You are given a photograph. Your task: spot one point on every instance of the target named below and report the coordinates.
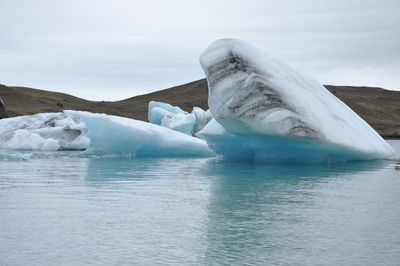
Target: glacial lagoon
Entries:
(62, 208)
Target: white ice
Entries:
(175, 118)
(255, 97)
(123, 135)
(97, 133)
(43, 132)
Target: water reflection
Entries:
(113, 169)
(123, 169)
(261, 213)
(197, 211)
(251, 213)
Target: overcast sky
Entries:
(108, 50)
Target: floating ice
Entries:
(175, 118)
(202, 119)
(43, 132)
(275, 148)
(263, 110)
(123, 135)
(266, 110)
(99, 133)
(158, 110)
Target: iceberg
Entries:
(175, 118)
(265, 110)
(260, 110)
(97, 133)
(43, 132)
(116, 134)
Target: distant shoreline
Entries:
(378, 107)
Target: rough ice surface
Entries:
(266, 110)
(175, 118)
(43, 132)
(158, 110)
(123, 135)
(262, 110)
(97, 133)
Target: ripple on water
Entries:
(79, 210)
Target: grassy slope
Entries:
(379, 107)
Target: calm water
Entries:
(99, 211)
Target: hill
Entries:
(379, 107)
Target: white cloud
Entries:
(115, 49)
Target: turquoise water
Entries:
(111, 211)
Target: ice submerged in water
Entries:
(98, 133)
(275, 148)
(175, 118)
(264, 110)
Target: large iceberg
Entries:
(265, 110)
(97, 133)
(175, 118)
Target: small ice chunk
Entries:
(175, 118)
(158, 110)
